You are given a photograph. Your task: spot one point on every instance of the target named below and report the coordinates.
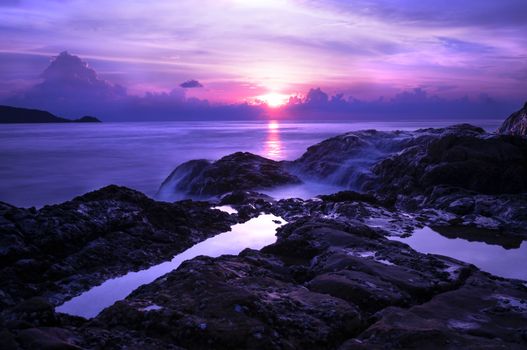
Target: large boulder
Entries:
(462, 156)
(516, 123)
(237, 171)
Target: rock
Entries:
(461, 156)
(461, 206)
(504, 214)
(516, 123)
(47, 338)
(332, 280)
(482, 313)
(323, 284)
(238, 171)
(239, 197)
(64, 249)
(346, 159)
(347, 196)
(480, 178)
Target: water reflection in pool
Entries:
(255, 233)
(510, 263)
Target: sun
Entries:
(274, 99)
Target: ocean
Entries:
(50, 163)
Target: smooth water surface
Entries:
(255, 233)
(51, 163)
(509, 263)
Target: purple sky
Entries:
(378, 54)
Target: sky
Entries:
(244, 58)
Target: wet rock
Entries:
(63, 249)
(249, 301)
(239, 197)
(49, 338)
(332, 279)
(482, 313)
(462, 156)
(478, 177)
(500, 214)
(516, 123)
(461, 206)
(346, 159)
(321, 283)
(238, 171)
(325, 283)
(349, 196)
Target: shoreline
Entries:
(333, 275)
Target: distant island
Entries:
(12, 115)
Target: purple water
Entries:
(255, 234)
(51, 163)
(510, 263)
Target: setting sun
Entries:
(274, 99)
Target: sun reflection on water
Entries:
(273, 143)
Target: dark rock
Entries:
(482, 314)
(346, 159)
(325, 284)
(244, 197)
(462, 206)
(516, 123)
(64, 249)
(331, 280)
(238, 171)
(48, 338)
(321, 283)
(460, 156)
(347, 196)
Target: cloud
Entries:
(189, 84)
(413, 104)
(71, 88)
(464, 13)
(464, 46)
(316, 97)
(309, 43)
(69, 84)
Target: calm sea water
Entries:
(51, 163)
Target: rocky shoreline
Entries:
(334, 278)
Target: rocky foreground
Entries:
(332, 280)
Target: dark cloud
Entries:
(68, 84)
(189, 84)
(316, 97)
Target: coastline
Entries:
(333, 275)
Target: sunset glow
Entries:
(360, 57)
(273, 143)
(273, 99)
